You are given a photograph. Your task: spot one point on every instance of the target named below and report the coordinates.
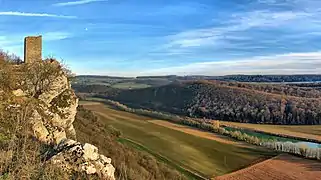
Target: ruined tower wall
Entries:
(33, 49)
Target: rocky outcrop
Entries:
(52, 124)
(72, 155)
(56, 112)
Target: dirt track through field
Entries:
(282, 167)
(198, 133)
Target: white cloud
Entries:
(13, 13)
(47, 36)
(80, 2)
(291, 63)
(277, 2)
(263, 18)
(311, 4)
(228, 30)
(105, 72)
(52, 36)
(194, 38)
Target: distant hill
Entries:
(122, 82)
(229, 101)
(273, 78)
(240, 78)
(103, 77)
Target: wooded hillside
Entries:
(238, 102)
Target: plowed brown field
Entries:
(282, 167)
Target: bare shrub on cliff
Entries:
(8, 79)
(2, 57)
(38, 77)
(10, 58)
(20, 153)
(63, 66)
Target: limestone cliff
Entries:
(52, 119)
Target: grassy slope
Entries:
(207, 157)
(301, 131)
(130, 163)
(188, 173)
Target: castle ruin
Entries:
(32, 49)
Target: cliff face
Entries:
(53, 116)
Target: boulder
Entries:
(90, 152)
(72, 155)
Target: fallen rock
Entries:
(90, 152)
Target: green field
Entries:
(203, 156)
(129, 85)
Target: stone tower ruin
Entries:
(32, 49)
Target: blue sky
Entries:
(159, 37)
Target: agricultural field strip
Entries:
(168, 161)
(199, 133)
(281, 167)
(246, 158)
(194, 172)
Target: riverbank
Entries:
(307, 133)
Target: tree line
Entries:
(299, 90)
(273, 78)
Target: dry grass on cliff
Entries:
(20, 153)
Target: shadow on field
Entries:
(308, 164)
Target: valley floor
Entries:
(199, 133)
(205, 154)
(312, 132)
(282, 167)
